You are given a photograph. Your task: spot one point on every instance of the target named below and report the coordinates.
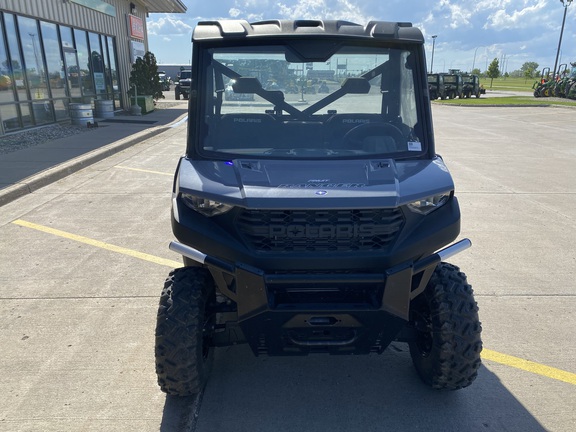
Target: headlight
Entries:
(429, 204)
(206, 207)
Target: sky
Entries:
(470, 34)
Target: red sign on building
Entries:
(136, 27)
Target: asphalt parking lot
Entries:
(83, 261)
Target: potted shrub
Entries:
(145, 85)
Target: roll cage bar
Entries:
(351, 85)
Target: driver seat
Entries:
(339, 124)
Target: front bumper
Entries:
(296, 314)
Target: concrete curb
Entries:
(58, 172)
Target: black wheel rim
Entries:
(207, 332)
(424, 332)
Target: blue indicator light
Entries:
(229, 163)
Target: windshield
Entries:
(274, 101)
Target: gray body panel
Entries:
(321, 184)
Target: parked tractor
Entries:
(567, 85)
(561, 80)
(542, 86)
(562, 85)
(570, 86)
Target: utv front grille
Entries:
(319, 230)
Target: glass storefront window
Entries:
(106, 57)
(113, 71)
(32, 50)
(10, 117)
(42, 112)
(26, 117)
(60, 110)
(6, 77)
(44, 66)
(15, 57)
(97, 64)
(53, 59)
(70, 62)
(84, 62)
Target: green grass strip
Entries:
(506, 101)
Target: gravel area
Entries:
(32, 137)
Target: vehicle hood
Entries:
(297, 184)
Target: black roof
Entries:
(238, 29)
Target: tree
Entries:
(528, 69)
(476, 71)
(144, 76)
(493, 70)
(529, 66)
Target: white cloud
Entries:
(530, 15)
(457, 15)
(168, 26)
(323, 9)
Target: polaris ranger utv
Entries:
(436, 87)
(183, 85)
(314, 223)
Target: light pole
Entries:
(565, 4)
(474, 61)
(433, 44)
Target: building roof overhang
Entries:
(164, 6)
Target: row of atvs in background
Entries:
(563, 85)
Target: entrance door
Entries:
(72, 72)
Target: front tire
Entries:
(184, 328)
(447, 346)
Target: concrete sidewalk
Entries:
(26, 170)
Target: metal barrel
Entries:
(104, 108)
(81, 114)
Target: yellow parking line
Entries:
(144, 170)
(529, 366)
(100, 244)
(505, 359)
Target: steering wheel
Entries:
(358, 134)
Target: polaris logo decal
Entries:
(323, 186)
(247, 120)
(324, 231)
(355, 121)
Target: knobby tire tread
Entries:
(182, 364)
(454, 358)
